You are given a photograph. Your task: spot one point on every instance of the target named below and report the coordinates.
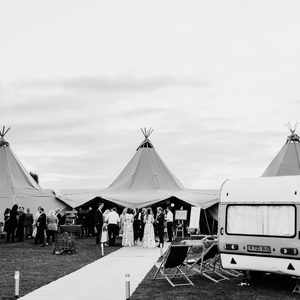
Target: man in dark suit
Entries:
(98, 223)
(142, 224)
(21, 224)
(160, 225)
(41, 226)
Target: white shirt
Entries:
(169, 217)
(113, 218)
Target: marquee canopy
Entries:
(144, 181)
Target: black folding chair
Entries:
(173, 260)
(206, 264)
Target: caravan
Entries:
(259, 224)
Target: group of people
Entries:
(19, 225)
(136, 226)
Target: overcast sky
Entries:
(217, 80)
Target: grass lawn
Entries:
(38, 266)
(271, 287)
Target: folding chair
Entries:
(173, 259)
(206, 264)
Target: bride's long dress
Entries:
(127, 238)
(149, 238)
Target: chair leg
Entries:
(157, 271)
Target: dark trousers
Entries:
(141, 232)
(170, 231)
(161, 233)
(20, 233)
(40, 236)
(112, 230)
(51, 234)
(11, 231)
(98, 234)
(28, 231)
(137, 230)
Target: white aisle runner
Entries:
(103, 279)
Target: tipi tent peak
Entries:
(287, 161)
(146, 142)
(293, 137)
(3, 132)
(17, 186)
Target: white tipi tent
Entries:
(17, 186)
(144, 181)
(287, 161)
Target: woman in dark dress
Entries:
(12, 224)
(41, 226)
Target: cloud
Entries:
(79, 136)
(125, 84)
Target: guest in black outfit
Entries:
(28, 223)
(41, 226)
(6, 218)
(160, 226)
(142, 227)
(21, 224)
(98, 223)
(136, 225)
(12, 224)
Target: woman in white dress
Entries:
(104, 236)
(149, 238)
(127, 238)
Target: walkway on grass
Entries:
(102, 279)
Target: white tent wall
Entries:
(48, 201)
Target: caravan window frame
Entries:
(261, 235)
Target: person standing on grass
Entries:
(52, 226)
(6, 219)
(21, 224)
(160, 225)
(136, 226)
(98, 223)
(142, 217)
(28, 223)
(127, 238)
(104, 237)
(12, 224)
(113, 220)
(149, 237)
(170, 220)
(41, 227)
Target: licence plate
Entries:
(259, 248)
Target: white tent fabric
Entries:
(18, 187)
(287, 161)
(141, 198)
(144, 181)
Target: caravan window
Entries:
(265, 220)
